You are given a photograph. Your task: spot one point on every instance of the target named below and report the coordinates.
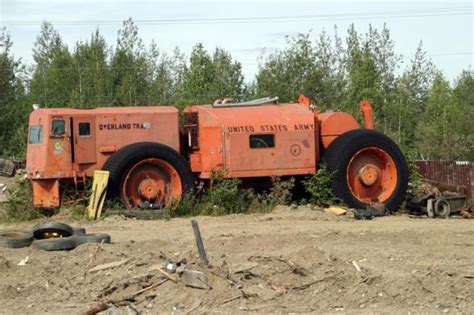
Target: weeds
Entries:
(280, 192)
(319, 188)
(19, 206)
(224, 196)
(415, 180)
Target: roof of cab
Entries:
(106, 110)
(252, 115)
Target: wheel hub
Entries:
(148, 189)
(368, 175)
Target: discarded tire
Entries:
(442, 208)
(92, 238)
(78, 231)
(49, 230)
(15, 238)
(54, 244)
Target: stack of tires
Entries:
(50, 236)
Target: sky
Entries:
(248, 28)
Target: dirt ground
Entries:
(291, 260)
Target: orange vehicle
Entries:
(152, 160)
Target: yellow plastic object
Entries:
(336, 210)
(97, 198)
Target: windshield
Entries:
(36, 134)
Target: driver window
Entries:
(58, 127)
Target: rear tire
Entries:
(147, 175)
(367, 167)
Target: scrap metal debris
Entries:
(199, 243)
(7, 168)
(195, 279)
(433, 202)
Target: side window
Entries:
(58, 127)
(262, 141)
(36, 134)
(84, 129)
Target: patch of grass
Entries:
(319, 188)
(19, 206)
(78, 212)
(280, 192)
(224, 196)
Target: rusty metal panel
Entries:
(84, 140)
(46, 193)
(110, 129)
(253, 141)
(452, 175)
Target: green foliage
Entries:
(426, 115)
(319, 188)
(303, 67)
(75, 212)
(280, 192)
(54, 77)
(224, 196)
(19, 206)
(12, 97)
(210, 77)
(415, 179)
(93, 73)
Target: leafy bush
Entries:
(280, 192)
(187, 205)
(415, 180)
(224, 196)
(19, 206)
(319, 188)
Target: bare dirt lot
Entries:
(298, 260)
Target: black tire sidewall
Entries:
(342, 149)
(24, 240)
(92, 238)
(56, 244)
(120, 163)
(57, 227)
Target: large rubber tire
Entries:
(15, 238)
(78, 231)
(340, 153)
(92, 238)
(123, 160)
(54, 244)
(48, 230)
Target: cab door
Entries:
(84, 140)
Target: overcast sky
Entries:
(445, 27)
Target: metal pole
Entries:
(199, 243)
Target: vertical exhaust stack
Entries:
(366, 111)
